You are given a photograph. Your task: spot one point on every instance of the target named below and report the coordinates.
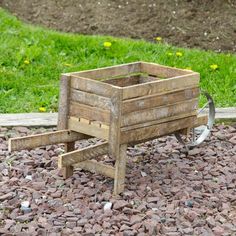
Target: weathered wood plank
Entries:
(201, 120)
(150, 132)
(88, 128)
(162, 71)
(83, 154)
(120, 169)
(68, 170)
(156, 113)
(115, 122)
(89, 112)
(96, 167)
(29, 119)
(124, 81)
(160, 86)
(90, 99)
(33, 141)
(64, 98)
(156, 100)
(110, 71)
(91, 86)
(159, 121)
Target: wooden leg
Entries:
(120, 167)
(68, 171)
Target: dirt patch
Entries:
(166, 193)
(186, 23)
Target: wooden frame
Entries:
(122, 104)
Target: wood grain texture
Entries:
(89, 112)
(201, 120)
(150, 132)
(124, 81)
(161, 86)
(120, 169)
(115, 122)
(159, 121)
(156, 100)
(110, 71)
(64, 98)
(157, 113)
(91, 129)
(38, 140)
(68, 170)
(83, 154)
(90, 99)
(162, 71)
(96, 167)
(91, 86)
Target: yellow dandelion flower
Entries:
(107, 44)
(26, 62)
(179, 54)
(158, 39)
(214, 67)
(42, 109)
(169, 54)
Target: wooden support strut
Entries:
(38, 140)
(84, 154)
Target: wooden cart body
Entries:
(122, 104)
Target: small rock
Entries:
(6, 196)
(210, 221)
(24, 218)
(233, 140)
(25, 204)
(188, 231)
(144, 174)
(29, 177)
(22, 129)
(82, 222)
(107, 206)
(218, 231)
(135, 219)
(194, 151)
(189, 203)
(120, 204)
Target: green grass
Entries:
(26, 87)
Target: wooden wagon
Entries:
(124, 104)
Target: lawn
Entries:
(32, 59)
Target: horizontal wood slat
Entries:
(96, 167)
(162, 71)
(150, 132)
(91, 86)
(91, 129)
(156, 113)
(201, 120)
(38, 140)
(83, 154)
(160, 86)
(159, 121)
(89, 112)
(110, 71)
(90, 99)
(151, 101)
(124, 81)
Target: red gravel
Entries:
(167, 192)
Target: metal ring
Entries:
(206, 131)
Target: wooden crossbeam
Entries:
(84, 154)
(96, 167)
(38, 140)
